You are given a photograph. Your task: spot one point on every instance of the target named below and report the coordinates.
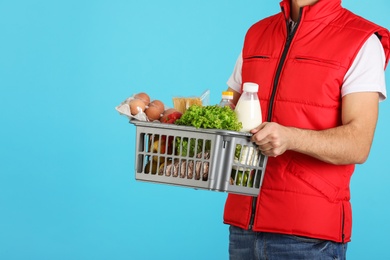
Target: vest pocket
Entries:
(264, 58)
(317, 61)
(314, 180)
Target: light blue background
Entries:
(67, 188)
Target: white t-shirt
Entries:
(366, 74)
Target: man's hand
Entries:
(272, 138)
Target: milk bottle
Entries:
(248, 108)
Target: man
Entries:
(320, 69)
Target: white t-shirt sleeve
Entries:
(365, 75)
(235, 80)
(367, 72)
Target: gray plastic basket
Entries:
(210, 159)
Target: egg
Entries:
(143, 96)
(153, 113)
(136, 106)
(158, 104)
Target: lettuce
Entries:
(212, 117)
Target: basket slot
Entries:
(247, 155)
(258, 178)
(242, 177)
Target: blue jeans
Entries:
(250, 245)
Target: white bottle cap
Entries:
(251, 87)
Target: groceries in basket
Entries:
(193, 144)
(183, 103)
(141, 107)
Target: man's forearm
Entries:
(345, 144)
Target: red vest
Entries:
(300, 82)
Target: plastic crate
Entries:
(213, 159)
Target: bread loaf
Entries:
(181, 104)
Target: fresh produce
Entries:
(151, 167)
(212, 117)
(189, 146)
(170, 111)
(170, 116)
(161, 144)
(242, 177)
